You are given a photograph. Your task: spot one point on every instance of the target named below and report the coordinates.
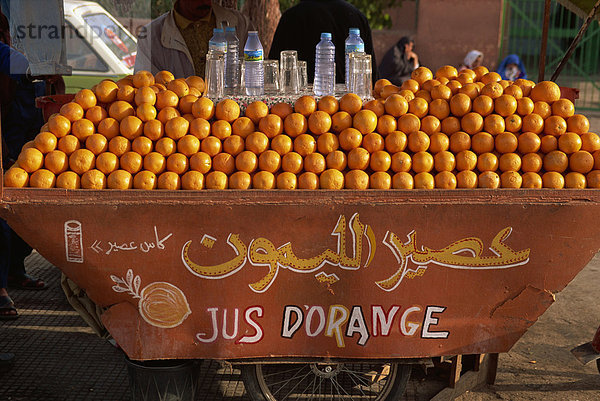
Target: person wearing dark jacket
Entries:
(300, 29)
(399, 62)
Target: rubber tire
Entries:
(250, 378)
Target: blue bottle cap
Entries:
(217, 30)
(326, 35)
(355, 31)
(230, 29)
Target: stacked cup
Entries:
(214, 74)
(360, 70)
(289, 72)
(271, 68)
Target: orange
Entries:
(380, 161)
(581, 162)
(511, 179)
(365, 121)
(505, 105)
(315, 163)
(480, 71)
(358, 159)
(145, 95)
(386, 124)
(471, 123)
(220, 129)
(482, 142)
(466, 179)
(143, 145)
(256, 142)
(396, 105)
(577, 123)
(356, 179)
(494, 124)
(563, 108)
(444, 161)
(119, 145)
(126, 93)
(418, 141)
(422, 162)
(68, 180)
(490, 77)
(376, 106)
(466, 160)
(443, 80)
(96, 143)
(529, 142)
(145, 180)
(506, 142)
(450, 125)
(423, 94)
(292, 162)
(96, 114)
(514, 91)
(543, 109)
(143, 78)
(409, 123)
(549, 143)
(440, 92)
(396, 142)
(222, 162)
(430, 125)
(200, 162)
(488, 179)
(552, 179)
(80, 161)
(192, 180)
(328, 104)
(350, 103)
(593, 179)
(170, 180)
(569, 143)
(525, 85)
(68, 144)
(56, 162)
(454, 86)
(287, 180)
(196, 82)
(168, 113)
(255, 111)
(85, 98)
(295, 124)
(269, 160)
(120, 179)
(283, 144)
(471, 90)
(531, 180)
(306, 105)
(379, 85)
(336, 160)
(401, 162)
(350, 138)
(460, 141)
(177, 163)
(424, 180)
(419, 107)
(177, 127)
(168, 98)
(380, 180)
(438, 142)
(533, 123)
(155, 162)
(203, 108)
(513, 123)
(187, 145)
(146, 112)
(556, 161)
(166, 146)
(331, 179)
(510, 162)
(131, 161)
(487, 162)
(373, 142)
(263, 180)
(545, 91)
(109, 127)
(243, 126)
(59, 125)
(282, 110)
(439, 108)
(45, 142)
(493, 90)
(575, 180)
(429, 85)
(240, 180)
(326, 143)
(445, 180)
(200, 128)
(555, 125)
(446, 71)
(106, 91)
(131, 127)
(525, 106)
(186, 104)
(93, 179)
(389, 90)
(233, 145)
(460, 104)
(421, 75)
(157, 88)
(42, 178)
(505, 84)
(403, 180)
(179, 87)
(408, 95)
(272, 125)
(590, 142)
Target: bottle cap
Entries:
(355, 31)
(252, 32)
(230, 29)
(220, 30)
(326, 35)
(216, 30)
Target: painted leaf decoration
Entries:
(129, 277)
(136, 284)
(115, 279)
(116, 288)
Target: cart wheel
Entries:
(326, 381)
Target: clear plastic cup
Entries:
(271, 70)
(289, 72)
(215, 74)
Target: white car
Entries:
(98, 46)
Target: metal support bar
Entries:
(542, 66)
(575, 42)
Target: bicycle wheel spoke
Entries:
(290, 379)
(356, 385)
(293, 388)
(281, 372)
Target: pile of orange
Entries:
(448, 130)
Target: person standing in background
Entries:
(300, 29)
(399, 62)
(512, 68)
(473, 59)
(177, 41)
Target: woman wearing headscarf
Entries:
(399, 62)
(512, 68)
(473, 59)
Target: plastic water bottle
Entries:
(325, 66)
(218, 41)
(232, 59)
(354, 43)
(253, 65)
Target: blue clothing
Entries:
(512, 59)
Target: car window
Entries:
(80, 55)
(117, 39)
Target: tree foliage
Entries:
(374, 10)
